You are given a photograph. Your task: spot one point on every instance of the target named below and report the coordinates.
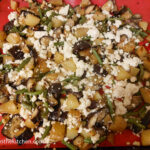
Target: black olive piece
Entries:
(135, 128)
(105, 73)
(121, 11)
(8, 26)
(98, 125)
(54, 116)
(63, 116)
(11, 84)
(80, 46)
(146, 119)
(93, 105)
(55, 89)
(33, 52)
(38, 28)
(26, 135)
(16, 52)
(1, 60)
(37, 119)
(97, 68)
(84, 75)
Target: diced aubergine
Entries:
(13, 129)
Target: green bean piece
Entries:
(41, 75)
(21, 91)
(46, 132)
(69, 145)
(97, 57)
(49, 27)
(136, 122)
(22, 65)
(59, 43)
(82, 20)
(34, 93)
(88, 140)
(110, 106)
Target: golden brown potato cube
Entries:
(56, 23)
(129, 47)
(88, 134)
(108, 6)
(30, 64)
(145, 92)
(134, 71)
(7, 59)
(57, 132)
(29, 123)
(127, 15)
(143, 25)
(51, 76)
(81, 32)
(145, 137)
(85, 3)
(146, 64)
(13, 38)
(146, 75)
(31, 20)
(118, 125)
(141, 51)
(56, 2)
(42, 66)
(122, 74)
(93, 59)
(72, 102)
(99, 16)
(78, 141)
(71, 133)
(69, 65)
(13, 5)
(2, 36)
(58, 57)
(9, 107)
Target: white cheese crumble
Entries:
(64, 10)
(12, 16)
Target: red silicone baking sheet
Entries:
(121, 139)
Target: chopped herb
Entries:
(136, 122)
(41, 75)
(72, 79)
(46, 132)
(59, 44)
(22, 65)
(1, 123)
(110, 106)
(49, 27)
(21, 91)
(98, 57)
(71, 12)
(25, 91)
(88, 140)
(82, 20)
(6, 68)
(86, 38)
(139, 32)
(17, 30)
(69, 145)
(40, 12)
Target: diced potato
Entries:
(122, 74)
(99, 16)
(57, 132)
(51, 76)
(72, 102)
(69, 65)
(86, 146)
(145, 92)
(71, 133)
(56, 2)
(58, 57)
(31, 20)
(13, 5)
(9, 107)
(146, 75)
(146, 64)
(2, 36)
(42, 66)
(127, 15)
(108, 6)
(89, 9)
(85, 3)
(145, 137)
(97, 96)
(118, 125)
(143, 25)
(56, 23)
(29, 123)
(134, 71)
(7, 59)
(78, 141)
(129, 47)
(88, 134)
(93, 59)
(141, 51)
(13, 38)
(30, 64)
(81, 32)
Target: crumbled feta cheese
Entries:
(12, 16)
(64, 10)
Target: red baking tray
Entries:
(121, 139)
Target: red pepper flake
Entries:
(120, 99)
(108, 87)
(101, 91)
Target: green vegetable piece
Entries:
(59, 44)
(88, 140)
(46, 132)
(98, 57)
(27, 105)
(69, 145)
(136, 122)
(110, 106)
(1, 123)
(22, 65)
(82, 20)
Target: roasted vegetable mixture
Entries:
(74, 75)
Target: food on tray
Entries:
(74, 75)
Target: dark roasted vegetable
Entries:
(12, 128)
(146, 120)
(8, 26)
(16, 52)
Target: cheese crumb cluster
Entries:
(74, 75)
